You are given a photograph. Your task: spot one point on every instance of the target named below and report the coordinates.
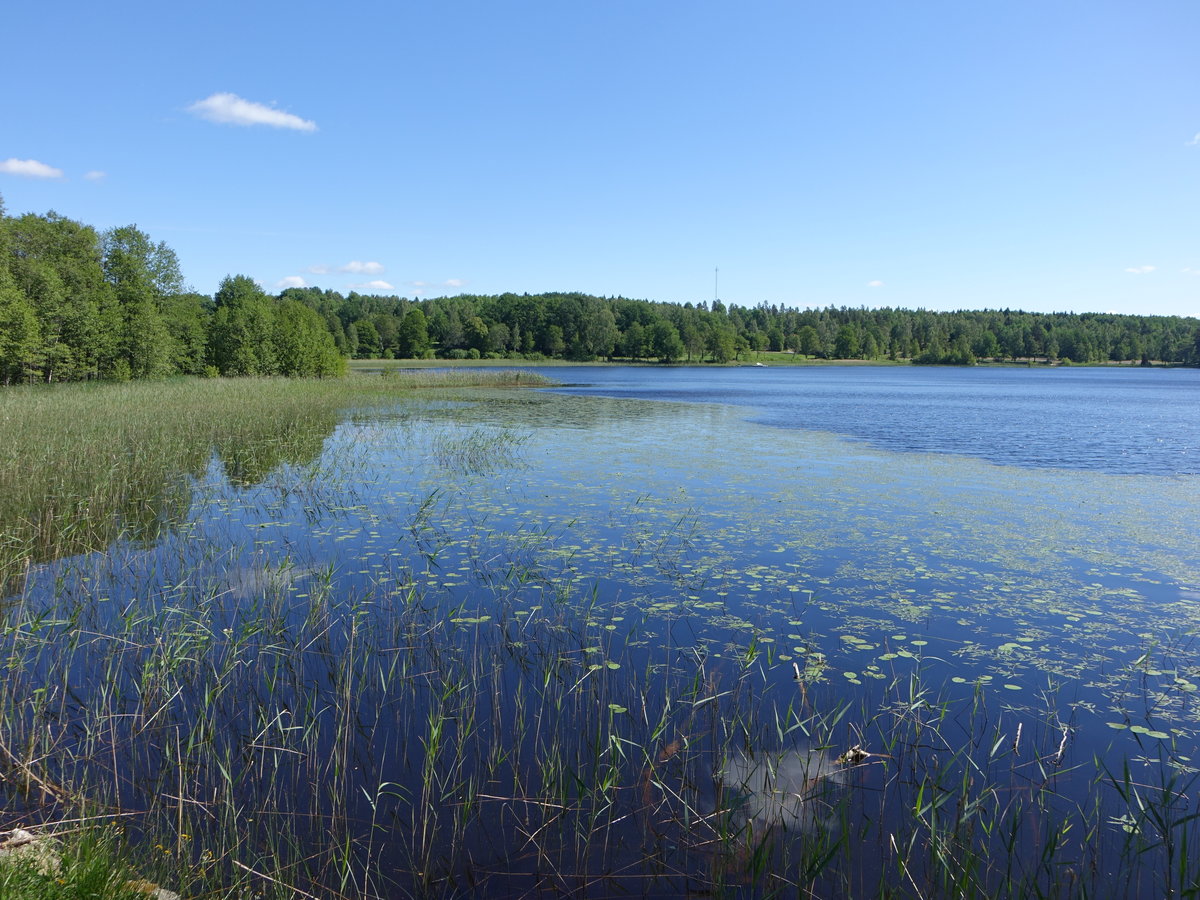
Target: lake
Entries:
(817, 631)
(1110, 420)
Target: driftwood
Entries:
(10, 760)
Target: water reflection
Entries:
(1120, 421)
(479, 641)
(781, 789)
(141, 500)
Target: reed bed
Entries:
(84, 465)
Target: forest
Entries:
(77, 303)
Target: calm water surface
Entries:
(1124, 421)
(621, 582)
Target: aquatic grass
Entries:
(68, 863)
(424, 379)
(590, 770)
(84, 465)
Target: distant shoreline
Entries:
(768, 360)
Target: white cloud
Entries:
(95, 175)
(875, 283)
(454, 282)
(290, 281)
(319, 269)
(1190, 271)
(30, 168)
(230, 109)
(1141, 270)
(373, 286)
(1195, 142)
(362, 268)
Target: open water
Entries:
(1117, 420)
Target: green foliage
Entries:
(721, 343)
(20, 338)
(847, 346)
(808, 341)
(142, 274)
(77, 305)
(55, 263)
(412, 339)
(369, 344)
(241, 338)
(303, 346)
(186, 317)
(665, 342)
(83, 867)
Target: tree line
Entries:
(77, 303)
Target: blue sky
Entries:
(1042, 155)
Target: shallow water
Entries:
(603, 576)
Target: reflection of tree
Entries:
(141, 484)
(249, 458)
(582, 410)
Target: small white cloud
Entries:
(418, 284)
(376, 285)
(290, 282)
(319, 269)
(230, 109)
(1141, 270)
(95, 175)
(1195, 142)
(454, 282)
(29, 168)
(362, 268)
(1190, 271)
(875, 283)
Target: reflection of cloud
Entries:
(362, 268)
(29, 168)
(230, 109)
(875, 283)
(292, 281)
(373, 286)
(1141, 270)
(779, 790)
(254, 583)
